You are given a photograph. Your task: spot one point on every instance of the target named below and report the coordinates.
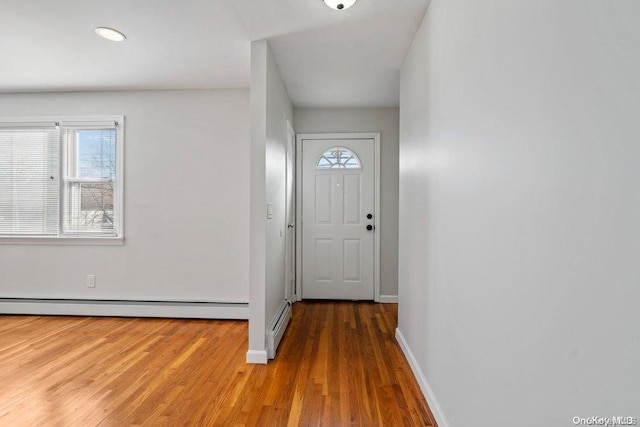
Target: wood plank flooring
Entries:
(338, 364)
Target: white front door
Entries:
(338, 224)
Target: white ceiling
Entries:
(327, 58)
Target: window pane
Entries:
(339, 158)
(89, 207)
(96, 153)
(91, 156)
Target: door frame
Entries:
(290, 294)
(375, 136)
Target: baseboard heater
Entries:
(125, 308)
(276, 329)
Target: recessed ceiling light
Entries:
(110, 34)
(339, 4)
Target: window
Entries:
(61, 179)
(339, 158)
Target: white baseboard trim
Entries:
(388, 299)
(170, 309)
(435, 407)
(257, 356)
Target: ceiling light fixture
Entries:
(339, 4)
(110, 34)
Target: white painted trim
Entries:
(377, 235)
(375, 136)
(169, 309)
(299, 217)
(63, 240)
(388, 299)
(74, 119)
(427, 391)
(293, 297)
(257, 357)
(120, 142)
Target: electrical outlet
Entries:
(91, 281)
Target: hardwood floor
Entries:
(338, 364)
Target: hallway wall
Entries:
(270, 111)
(520, 210)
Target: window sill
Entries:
(63, 241)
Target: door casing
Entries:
(375, 137)
(290, 244)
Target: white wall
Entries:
(186, 202)
(279, 110)
(520, 209)
(270, 109)
(385, 121)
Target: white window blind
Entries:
(29, 179)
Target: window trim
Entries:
(77, 122)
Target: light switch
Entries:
(269, 210)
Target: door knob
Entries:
(369, 227)
(369, 216)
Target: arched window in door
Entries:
(339, 158)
